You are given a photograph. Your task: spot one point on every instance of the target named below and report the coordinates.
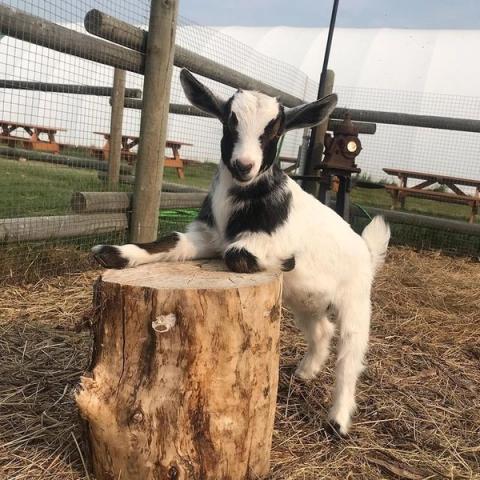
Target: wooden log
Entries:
(166, 186)
(59, 159)
(153, 125)
(116, 122)
(29, 28)
(184, 373)
(110, 28)
(115, 30)
(182, 109)
(445, 225)
(67, 88)
(410, 119)
(60, 226)
(92, 202)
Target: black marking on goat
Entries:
(269, 139)
(109, 257)
(241, 260)
(262, 206)
(332, 428)
(230, 136)
(205, 214)
(289, 264)
(163, 244)
(201, 96)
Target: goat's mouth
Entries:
(242, 178)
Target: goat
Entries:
(258, 218)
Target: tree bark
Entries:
(184, 373)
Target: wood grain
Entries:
(196, 401)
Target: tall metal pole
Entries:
(315, 146)
(153, 125)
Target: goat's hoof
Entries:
(109, 256)
(335, 431)
(308, 369)
(305, 373)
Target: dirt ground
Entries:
(419, 398)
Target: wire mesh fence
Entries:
(440, 152)
(55, 138)
(56, 120)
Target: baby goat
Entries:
(257, 218)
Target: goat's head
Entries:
(253, 124)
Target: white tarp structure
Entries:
(434, 61)
(416, 71)
(431, 72)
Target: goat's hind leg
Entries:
(198, 242)
(354, 324)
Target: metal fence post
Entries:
(118, 100)
(153, 126)
(311, 186)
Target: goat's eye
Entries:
(273, 128)
(232, 121)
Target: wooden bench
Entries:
(457, 196)
(9, 134)
(131, 141)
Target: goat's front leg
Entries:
(199, 241)
(257, 252)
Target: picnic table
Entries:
(38, 137)
(456, 195)
(131, 141)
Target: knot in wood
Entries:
(137, 417)
(164, 323)
(173, 473)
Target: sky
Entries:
(442, 14)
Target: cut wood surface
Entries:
(184, 373)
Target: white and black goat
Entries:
(257, 218)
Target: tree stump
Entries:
(184, 373)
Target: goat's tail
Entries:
(377, 235)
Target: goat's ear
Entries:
(200, 96)
(310, 114)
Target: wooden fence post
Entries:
(118, 101)
(153, 126)
(312, 186)
(184, 373)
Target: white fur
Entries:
(253, 110)
(334, 267)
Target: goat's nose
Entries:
(243, 167)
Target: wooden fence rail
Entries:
(181, 109)
(110, 28)
(94, 90)
(95, 202)
(29, 28)
(29, 229)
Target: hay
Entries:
(419, 414)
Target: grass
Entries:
(379, 198)
(33, 188)
(418, 400)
